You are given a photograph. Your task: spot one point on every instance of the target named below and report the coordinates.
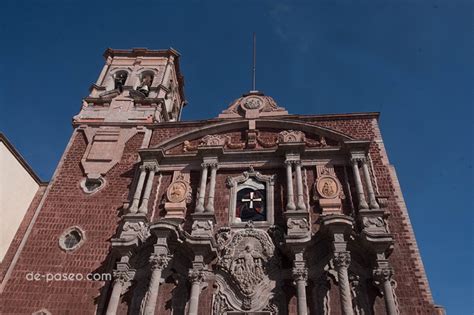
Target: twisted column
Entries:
(158, 263)
(196, 277)
(290, 205)
(212, 188)
(202, 188)
(149, 184)
(138, 191)
(383, 276)
(370, 189)
(342, 261)
(359, 188)
(299, 187)
(300, 275)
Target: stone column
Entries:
(370, 189)
(158, 263)
(202, 188)
(383, 277)
(341, 262)
(195, 276)
(299, 187)
(149, 184)
(300, 275)
(120, 278)
(359, 188)
(290, 205)
(212, 188)
(138, 191)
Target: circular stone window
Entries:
(92, 185)
(71, 239)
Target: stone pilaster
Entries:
(358, 183)
(202, 188)
(122, 276)
(159, 261)
(212, 187)
(341, 262)
(196, 276)
(382, 276)
(299, 187)
(138, 190)
(151, 168)
(300, 276)
(368, 183)
(290, 204)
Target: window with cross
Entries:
(250, 201)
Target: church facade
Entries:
(256, 211)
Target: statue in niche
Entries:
(119, 80)
(145, 84)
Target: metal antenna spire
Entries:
(254, 62)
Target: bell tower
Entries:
(136, 90)
(135, 86)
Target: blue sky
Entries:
(410, 60)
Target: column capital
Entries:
(300, 273)
(149, 166)
(196, 275)
(159, 261)
(122, 276)
(358, 158)
(382, 274)
(342, 259)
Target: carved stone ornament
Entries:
(328, 187)
(246, 258)
(252, 102)
(290, 136)
(177, 191)
(213, 140)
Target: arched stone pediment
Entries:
(265, 134)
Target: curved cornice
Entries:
(222, 127)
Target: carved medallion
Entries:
(252, 103)
(177, 191)
(328, 187)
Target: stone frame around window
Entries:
(83, 183)
(62, 238)
(239, 182)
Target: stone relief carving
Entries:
(290, 136)
(245, 260)
(328, 188)
(178, 194)
(213, 140)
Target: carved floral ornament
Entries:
(286, 136)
